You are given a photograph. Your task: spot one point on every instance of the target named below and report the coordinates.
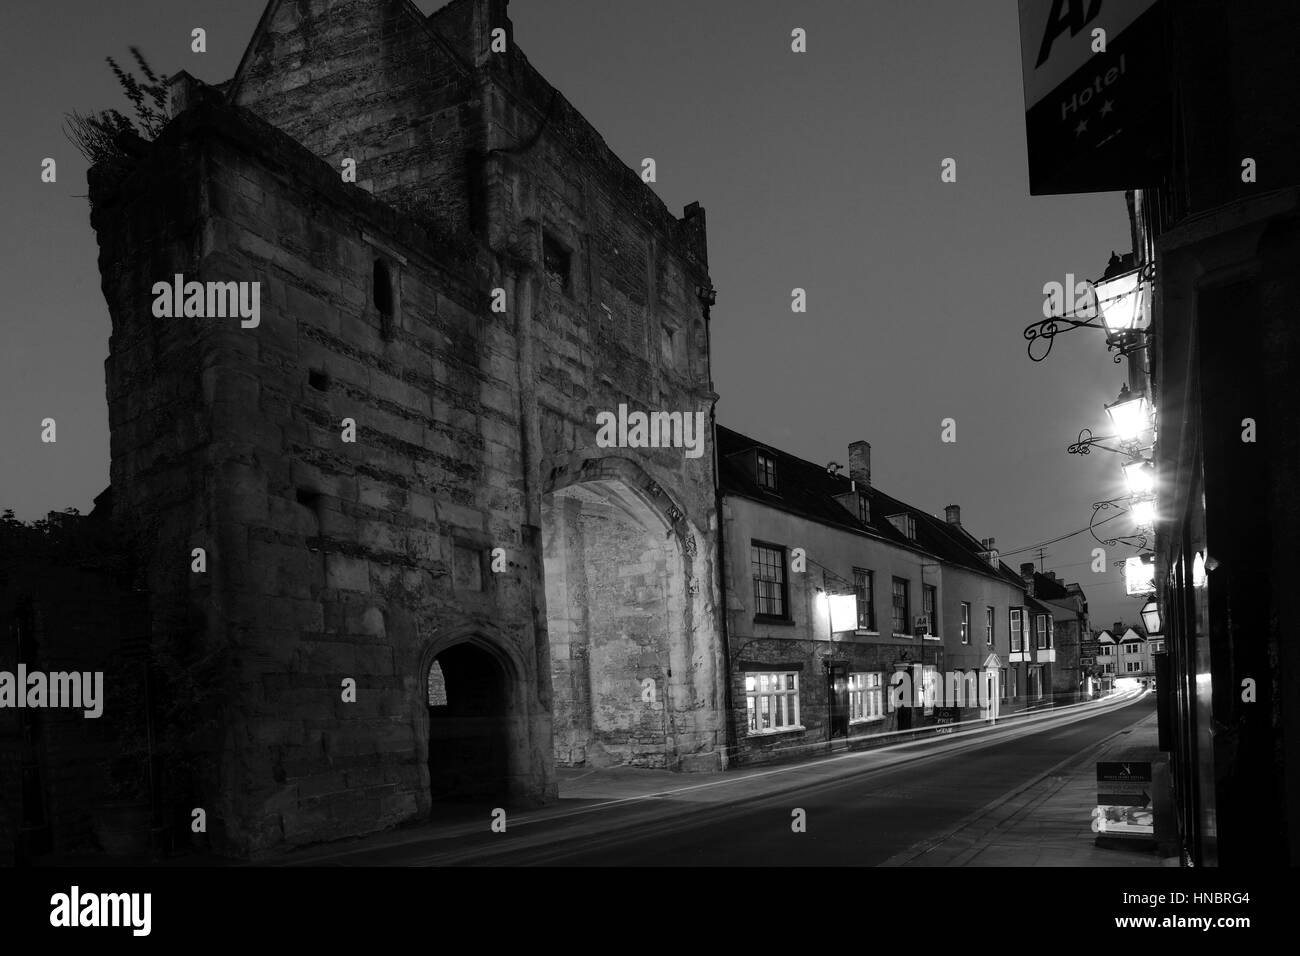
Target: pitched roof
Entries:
(809, 490)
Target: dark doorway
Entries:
(838, 693)
(468, 725)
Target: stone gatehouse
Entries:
(394, 474)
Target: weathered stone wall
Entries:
(333, 560)
(516, 166)
(373, 81)
(327, 559)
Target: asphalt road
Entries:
(860, 809)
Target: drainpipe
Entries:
(729, 727)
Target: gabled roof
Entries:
(809, 490)
(232, 86)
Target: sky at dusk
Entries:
(818, 170)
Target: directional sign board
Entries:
(1097, 96)
(1124, 784)
(1124, 798)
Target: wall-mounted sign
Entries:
(844, 612)
(1095, 120)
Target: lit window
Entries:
(866, 696)
(772, 702)
(965, 623)
(769, 580)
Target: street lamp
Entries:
(1140, 475)
(1139, 576)
(1129, 414)
(1119, 297)
(1151, 617)
(1144, 512)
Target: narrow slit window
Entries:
(385, 296)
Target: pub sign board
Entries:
(1096, 113)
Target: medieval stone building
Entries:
(395, 474)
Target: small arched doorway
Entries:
(469, 725)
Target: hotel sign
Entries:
(1096, 94)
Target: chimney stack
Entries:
(1119, 629)
(953, 514)
(860, 463)
(1027, 569)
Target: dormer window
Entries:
(905, 523)
(864, 509)
(766, 471)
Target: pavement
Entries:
(1047, 822)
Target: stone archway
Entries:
(469, 739)
(481, 722)
(618, 597)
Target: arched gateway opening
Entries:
(469, 696)
(618, 624)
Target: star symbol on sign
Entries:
(1107, 107)
(1083, 125)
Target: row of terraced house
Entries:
(851, 614)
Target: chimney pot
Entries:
(860, 463)
(953, 514)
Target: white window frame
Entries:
(780, 702)
(990, 622)
(1044, 632)
(965, 622)
(866, 697)
(1017, 625)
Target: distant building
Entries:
(1060, 647)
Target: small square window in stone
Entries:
(555, 263)
(467, 569)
